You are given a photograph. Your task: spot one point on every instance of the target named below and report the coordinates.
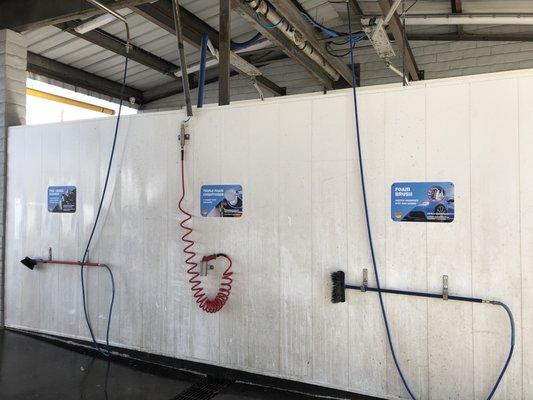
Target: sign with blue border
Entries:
(422, 202)
(221, 201)
(62, 199)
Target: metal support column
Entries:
(224, 53)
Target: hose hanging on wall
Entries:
(203, 301)
(105, 352)
(339, 285)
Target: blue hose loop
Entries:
(243, 45)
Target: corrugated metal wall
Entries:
(303, 218)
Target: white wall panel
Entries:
(303, 218)
(526, 233)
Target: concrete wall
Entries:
(12, 112)
(303, 219)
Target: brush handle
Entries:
(416, 294)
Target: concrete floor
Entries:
(34, 369)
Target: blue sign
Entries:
(62, 199)
(422, 201)
(221, 201)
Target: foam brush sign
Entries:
(422, 202)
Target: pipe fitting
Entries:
(266, 11)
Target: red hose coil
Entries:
(206, 304)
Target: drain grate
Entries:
(206, 389)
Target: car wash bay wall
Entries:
(303, 218)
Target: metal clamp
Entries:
(365, 280)
(444, 287)
(205, 268)
(183, 135)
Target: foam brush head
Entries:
(338, 288)
(28, 262)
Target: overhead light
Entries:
(214, 61)
(95, 23)
(237, 62)
(470, 19)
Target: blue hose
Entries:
(242, 45)
(367, 217)
(273, 26)
(330, 32)
(104, 352)
(513, 340)
(371, 245)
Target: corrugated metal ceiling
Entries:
(68, 49)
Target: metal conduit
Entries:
(469, 19)
(277, 21)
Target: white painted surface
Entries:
(303, 219)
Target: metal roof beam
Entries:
(398, 33)
(280, 40)
(357, 8)
(294, 17)
(166, 90)
(52, 69)
(118, 46)
(22, 15)
(160, 13)
(224, 49)
(457, 6)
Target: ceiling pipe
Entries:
(278, 22)
(469, 19)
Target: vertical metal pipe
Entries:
(201, 79)
(183, 61)
(224, 47)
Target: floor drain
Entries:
(204, 390)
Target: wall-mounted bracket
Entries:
(365, 280)
(205, 268)
(445, 287)
(183, 135)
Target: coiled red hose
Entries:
(204, 302)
